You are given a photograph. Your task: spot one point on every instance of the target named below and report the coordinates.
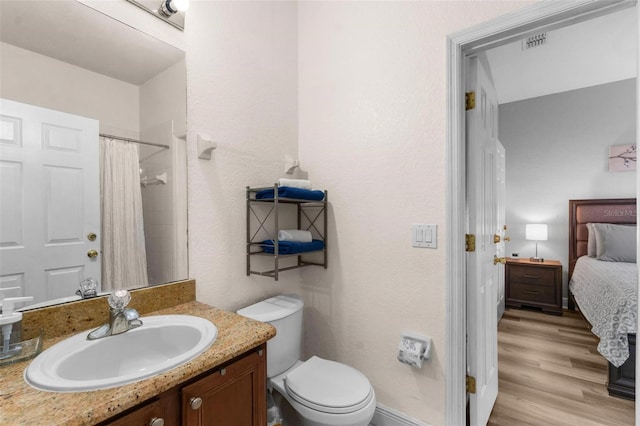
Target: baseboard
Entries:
(385, 416)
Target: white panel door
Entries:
(483, 275)
(501, 190)
(50, 202)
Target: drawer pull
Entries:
(531, 292)
(156, 421)
(531, 276)
(195, 403)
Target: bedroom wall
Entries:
(557, 149)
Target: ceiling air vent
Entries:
(535, 40)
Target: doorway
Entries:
(545, 15)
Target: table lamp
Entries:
(536, 232)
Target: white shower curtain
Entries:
(124, 257)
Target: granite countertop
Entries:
(20, 404)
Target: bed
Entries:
(605, 291)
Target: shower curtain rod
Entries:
(104, 135)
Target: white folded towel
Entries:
(296, 235)
(295, 183)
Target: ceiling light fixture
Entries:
(170, 11)
(170, 7)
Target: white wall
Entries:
(163, 115)
(557, 150)
(163, 98)
(39, 80)
(242, 90)
(359, 89)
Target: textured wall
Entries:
(372, 130)
(557, 150)
(359, 89)
(242, 91)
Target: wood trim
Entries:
(459, 44)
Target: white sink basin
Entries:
(160, 344)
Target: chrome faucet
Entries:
(121, 319)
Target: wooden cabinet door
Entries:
(233, 395)
(164, 410)
(143, 416)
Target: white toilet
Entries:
(322, 392)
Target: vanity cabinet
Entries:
(157, 412)
(233, 393)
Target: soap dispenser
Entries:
(11, 323)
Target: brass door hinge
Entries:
(470, 242)
(469, 100)
(471, 384)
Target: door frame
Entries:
(510, 27)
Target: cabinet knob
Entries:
(156, 421)
(195, 403)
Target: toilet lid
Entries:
(328, 386)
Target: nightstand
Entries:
(536, 284)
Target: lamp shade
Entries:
(536, 232)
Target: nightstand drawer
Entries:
(534, 284)
(532, 275)
(533, 293)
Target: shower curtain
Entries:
(124, 257)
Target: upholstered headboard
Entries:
(581, 212)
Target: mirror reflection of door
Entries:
(134, 84)
(50, 200)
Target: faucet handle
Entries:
(88, 288)
(119, 299)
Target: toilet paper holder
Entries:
(414, 348)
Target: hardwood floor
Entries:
(550, 373)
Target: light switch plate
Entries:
(423, 235)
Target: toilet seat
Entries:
(328, 386)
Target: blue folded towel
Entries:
(292, 247)
(291, 192)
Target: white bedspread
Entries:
(607, 295)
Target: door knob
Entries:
(92, 254)
(91, 236)
(195, 403)
(497, 260)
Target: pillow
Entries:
(615, 243)
(591, 242)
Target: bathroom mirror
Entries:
(67, 57)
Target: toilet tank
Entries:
(284, 312)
